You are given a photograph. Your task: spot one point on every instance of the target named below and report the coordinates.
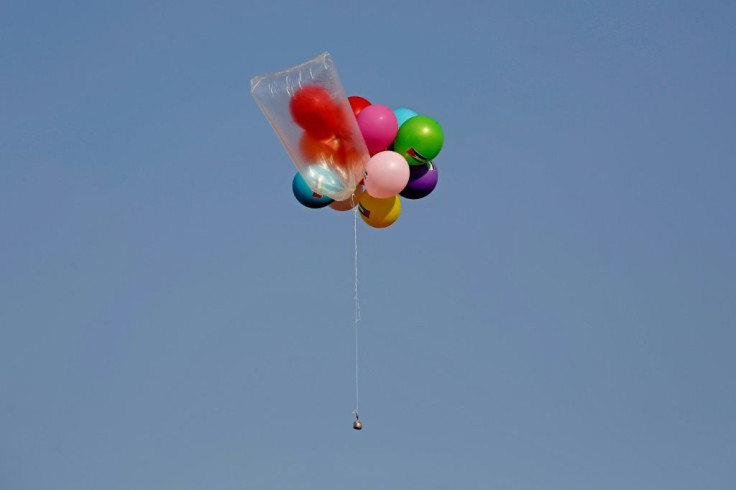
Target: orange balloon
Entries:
(349, 203)
(355, 154)
(318, 151)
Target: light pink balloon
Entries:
(379, 126)
(386, 174)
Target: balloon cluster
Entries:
(401, 143)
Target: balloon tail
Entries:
(356, 302)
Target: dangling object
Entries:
(357, 425)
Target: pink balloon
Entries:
(379, 126)
(386, 174)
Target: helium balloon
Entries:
(349, 203)
(357, 104)
(309, 98)
(419, 139)
(322, 151)
(379, 213)
(386, 174)
(402, 114)
(313, 108)
(422, 181)
(322, 180)
(307, 196)
(378, 125)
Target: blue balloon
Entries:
(307, 196)
(322, 180)
(402, 114)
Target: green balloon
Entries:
(419, 139)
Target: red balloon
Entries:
(358, 103)
(314, 109)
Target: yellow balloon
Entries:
(379, 213)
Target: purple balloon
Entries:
(422, 181)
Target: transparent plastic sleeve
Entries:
(307, 107)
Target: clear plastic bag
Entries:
(309, 110)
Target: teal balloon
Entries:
(402, 114)
(305, 195)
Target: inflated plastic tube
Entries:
(307, 107)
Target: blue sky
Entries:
(558, 314)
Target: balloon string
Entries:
(356, 300)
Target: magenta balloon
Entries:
(386, 174)
(379, 126)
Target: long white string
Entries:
(356, 300)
